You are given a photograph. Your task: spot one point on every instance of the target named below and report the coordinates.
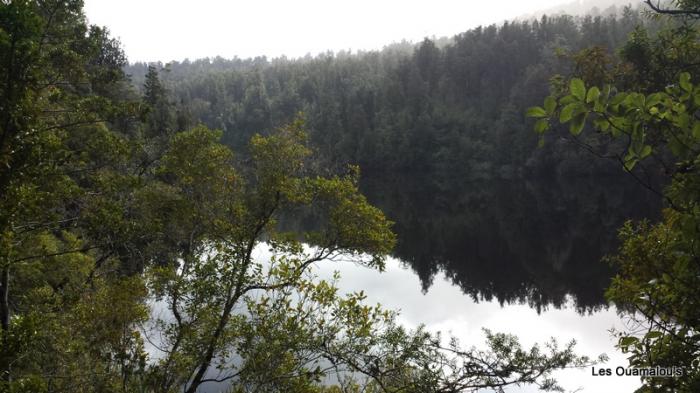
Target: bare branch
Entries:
(658, 8)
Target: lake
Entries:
(520, 256)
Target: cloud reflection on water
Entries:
(445, 308)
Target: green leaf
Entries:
(577, 123)
(653, 334)
(568, 112)
(599, 105)
(578, 88)
(654, 99)
(634, 101)
(678, 107)
(593, 94)
(617, 100)
(646, 151)
(630, 160)
(541, 126)
(629, 340)
(682, 121)
(550, 104)
(568, 99)
(535, 111)
(696, 130)
(601, 124)
(685, 82)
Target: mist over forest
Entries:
(455, 106)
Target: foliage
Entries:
(659, 266)
(657, 285)
(232, 212)
(645, 121)
(60, 79)
(269, 324)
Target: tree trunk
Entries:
(5, 318)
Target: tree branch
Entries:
(677, 12)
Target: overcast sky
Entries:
(168, 30)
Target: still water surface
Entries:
(522, 257)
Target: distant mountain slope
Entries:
(457, 108)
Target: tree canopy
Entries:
(450, 105)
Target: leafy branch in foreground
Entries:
(645, 121)
(659, 265)
(418, 361)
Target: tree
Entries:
(659, 267)
(430, 107)
(269, 323)
(59, 77)
(159, 117)
(229, 214)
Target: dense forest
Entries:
(454, 106)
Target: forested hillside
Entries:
(453, 105)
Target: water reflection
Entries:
(536, 242)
